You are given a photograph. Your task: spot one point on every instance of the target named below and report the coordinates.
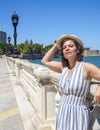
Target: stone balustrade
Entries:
(41, 86)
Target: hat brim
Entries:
(73, 37)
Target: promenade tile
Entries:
(10, 118)
(16, 112)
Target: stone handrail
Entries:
(42, 89)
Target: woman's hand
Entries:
(48, 61)
(97, 95)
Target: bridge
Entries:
(30, 96)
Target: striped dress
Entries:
(72, 112)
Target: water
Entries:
(91, 59)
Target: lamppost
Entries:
(7, 48)
(15, 20)
(9, 39)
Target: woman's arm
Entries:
(94, 73)
(47, 60)
(97, 95)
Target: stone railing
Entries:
(42, 89)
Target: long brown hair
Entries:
(79, 55)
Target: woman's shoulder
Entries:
(90, 67)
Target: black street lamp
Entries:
(9, 39)
(15, 19)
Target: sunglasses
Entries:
(91, 107)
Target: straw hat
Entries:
(73, 37)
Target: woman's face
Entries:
(69, 49)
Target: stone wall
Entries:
(91, 53)
(41, 87)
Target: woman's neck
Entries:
(73, 63)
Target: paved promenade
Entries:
(15, 110)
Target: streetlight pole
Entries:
(15, 20)
(9, 39)
(7, 48)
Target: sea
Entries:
(91, 59)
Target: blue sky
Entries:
(44, 21)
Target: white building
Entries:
(2, 36)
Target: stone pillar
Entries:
(19, 67)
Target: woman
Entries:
(73, 114)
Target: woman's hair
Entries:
(79, 55)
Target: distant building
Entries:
(88, 52)
(2, 36)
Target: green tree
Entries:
(37, 48)
(1, 51)
(20, 47)
(3, 47)
(25, 49)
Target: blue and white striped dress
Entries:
(72, 112)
